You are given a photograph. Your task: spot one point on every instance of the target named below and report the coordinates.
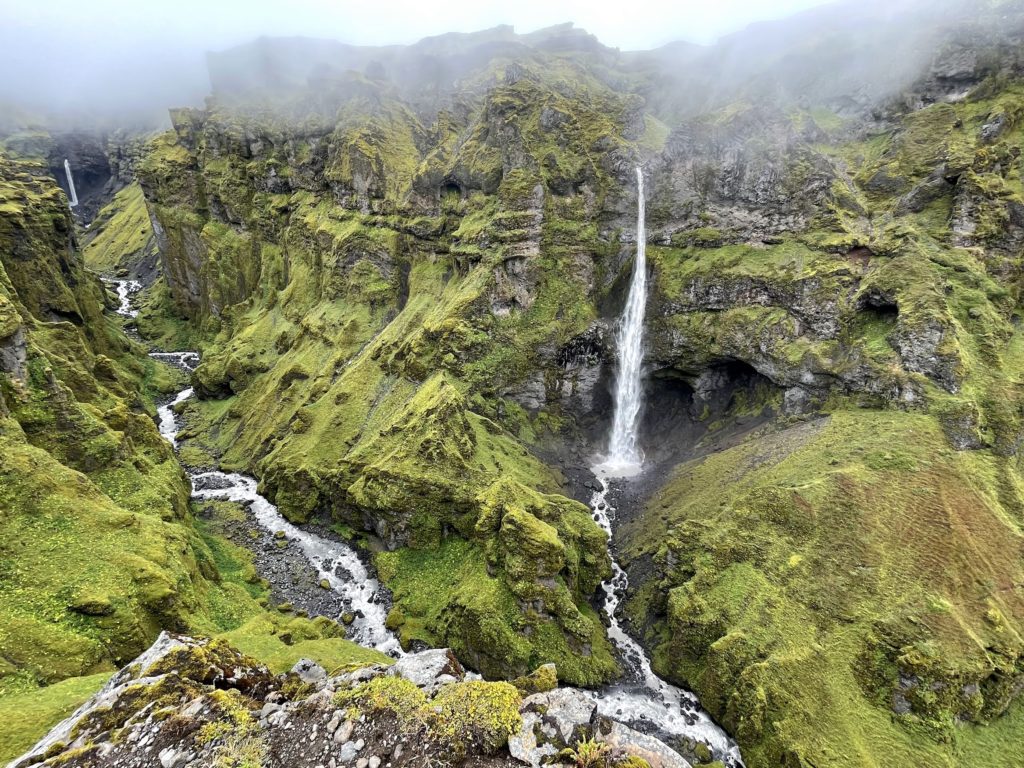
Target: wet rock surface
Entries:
(293, 580)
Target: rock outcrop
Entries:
(188, 703)
(403, 270)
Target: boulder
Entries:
(310, 672)
(429, 669)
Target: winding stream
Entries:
(126, 290)
(335, 561)
(641, 699)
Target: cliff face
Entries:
(372, 289)
(99, 549)
(403, 299)
(91, 494)
(829, 583)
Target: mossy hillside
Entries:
(892, 281)
(418, 471)
(121, 235)
(29, 714)
(813, 564)
(374, 153)
(361, 363)
(866, 560)
(448, 596)
(230, 602)
(37, 233)
(93, 562)
(100, 550)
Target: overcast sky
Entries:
(95, 52)
(632, 25)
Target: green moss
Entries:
(476, 716)
(541, 680)
(28, 714)
(808, 578)
(448, 598)
(121, 235)
(469, 717)
(262, 638)
(387, 693)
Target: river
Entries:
(640, 699)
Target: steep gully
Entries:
(640, 699)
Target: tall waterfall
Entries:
(71, 185)
(641, 698)
(623, 452)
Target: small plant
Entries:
(587, 753)
(243, 750)
(632, 761)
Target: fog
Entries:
(116, 60)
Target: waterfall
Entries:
(641, 698)
(624, 455)
(71, 184)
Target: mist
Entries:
(118, 61)
(113, 63)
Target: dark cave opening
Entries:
(668, 407)
(876, 317)
(450, 192)
(886, 313)
(878, 305)
(682, 407)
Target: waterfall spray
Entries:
(623, 451)
(71, 185)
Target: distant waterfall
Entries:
(71, 185)
(623, 451)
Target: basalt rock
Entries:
(750, 175)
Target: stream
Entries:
(334, 561)
(640, 699)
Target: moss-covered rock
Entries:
(398, 307)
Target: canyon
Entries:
(687, 382)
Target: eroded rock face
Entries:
(188, 703)
(13, 354)
(749, 176)
(171, 671)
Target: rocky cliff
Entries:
(402, 267)
(374, 292)
(188, 703)
(404, 306)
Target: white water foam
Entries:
(126, 290)
(624, 455)
(335, 562)
(642, 697)
(168, 421)
(72, 194)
